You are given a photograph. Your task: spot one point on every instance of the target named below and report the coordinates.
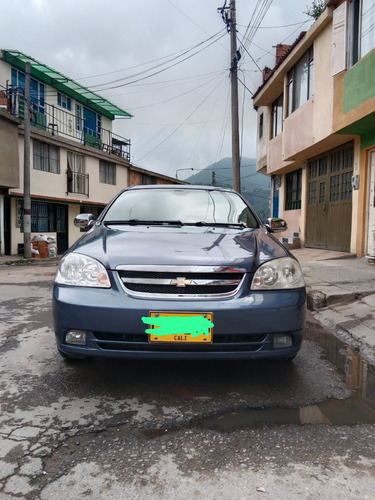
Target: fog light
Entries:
(280, 341)
(77, 337)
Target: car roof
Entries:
(180, 186)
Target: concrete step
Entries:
(291, 242)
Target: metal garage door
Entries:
(329, 204)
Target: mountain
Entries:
(255, 187)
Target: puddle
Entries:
(358, 409)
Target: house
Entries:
(77, 163)
(316, 130)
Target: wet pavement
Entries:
(108, 429)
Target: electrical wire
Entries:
(172, 98)
(204, 127)
(179, 126)
(110, 85)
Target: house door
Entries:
(370, 250)
(329, 204)
(91, 128)
(62, 228)
(7, 226)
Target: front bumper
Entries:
(244, 325)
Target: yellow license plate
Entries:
(180, 327)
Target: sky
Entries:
(164, 61)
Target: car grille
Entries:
(180, 282)
(139, 342)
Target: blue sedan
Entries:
(179, 272)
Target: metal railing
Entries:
(60, 122)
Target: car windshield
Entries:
(187, 206)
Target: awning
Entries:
(66, 85)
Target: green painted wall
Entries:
(368, 140)
(357, 89)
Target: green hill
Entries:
(255, 187)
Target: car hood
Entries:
(179, 246)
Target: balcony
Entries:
(62, 123)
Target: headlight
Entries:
(80, 270)
(278, 274)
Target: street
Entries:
(116, 429)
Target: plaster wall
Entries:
(9, 155)
(51, 185)
(298, 131)
(323, 86)
(275, 156)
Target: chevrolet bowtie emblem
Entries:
(180, 282)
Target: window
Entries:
(277, 116)
(367, 26)
(64, 101)
(261, 118)
(37, 89)
(79, 118)
(91, 209)
(361, 29)
(339, 39)
(46, 157)
(107, 172)
(147, 179)
(301, 81)
(43, 217)
(293, 190)
(77, 180)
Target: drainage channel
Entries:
(358, 409)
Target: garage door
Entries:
(329, 208)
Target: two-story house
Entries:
(316, 111)
(77, 163)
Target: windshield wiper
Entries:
(140, 222)
(219, 224)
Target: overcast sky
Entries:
(181, 114)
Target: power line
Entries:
(174, 97)
(212, 40)
(178, 127)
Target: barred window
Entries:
(293, 190)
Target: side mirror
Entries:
(276, 225)
(84, 221)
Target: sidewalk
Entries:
(341, 295)
(6, 260)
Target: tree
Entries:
(315, 9)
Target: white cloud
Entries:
(82, 38)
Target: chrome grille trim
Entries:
(180, 269)
(182, 279)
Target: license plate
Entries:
(180, 327)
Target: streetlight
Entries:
(180, 169)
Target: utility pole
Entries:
(234, 91)
(26, 169)
(230, 21)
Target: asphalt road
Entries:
(101, 429)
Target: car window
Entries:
(185, 205)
